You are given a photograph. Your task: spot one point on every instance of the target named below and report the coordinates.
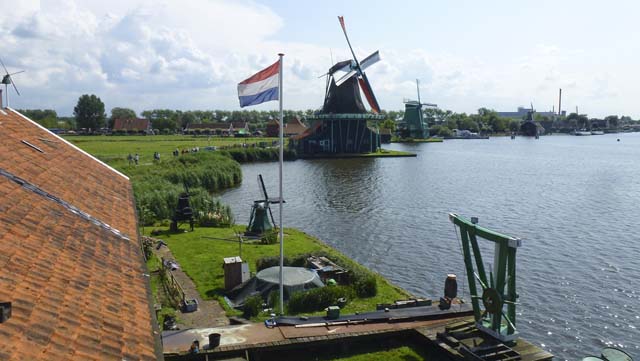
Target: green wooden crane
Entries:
(499, 289)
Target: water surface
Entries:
(573, 200)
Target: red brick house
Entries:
(137, 125)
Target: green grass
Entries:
(387, 349)
(116, 147)
(404, 353)
(202, 258)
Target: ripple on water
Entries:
(573, 201)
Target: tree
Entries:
(514, 125)
(613, 121)
(388, 124)
(89, 112)
(121, 113)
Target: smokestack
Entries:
(560, 103)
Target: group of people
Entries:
(133, 158)
(177, 152)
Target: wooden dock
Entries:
(446, 339)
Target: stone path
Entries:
(209, 313)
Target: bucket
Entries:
(214, 340)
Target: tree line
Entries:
(89, 113)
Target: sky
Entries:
(190, 54)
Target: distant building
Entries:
(240, 129)
(292, 128)
(522, 113)
(72, 264)
(137, 125)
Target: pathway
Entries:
(209, 313)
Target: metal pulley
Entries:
(492, 300)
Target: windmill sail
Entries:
(357, 68)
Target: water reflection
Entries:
(573, 201)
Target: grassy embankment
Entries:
(158, 184)
(114, 149)
(110, 148)
(202, 258)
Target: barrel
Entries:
(214, 340)
(451, 286)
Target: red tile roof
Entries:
(72, 264)
(137, 124)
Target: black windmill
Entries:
(261, 219)
(341, 126)
(183, 212)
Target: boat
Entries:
(581, 132)
(597, 132)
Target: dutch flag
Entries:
(261, 87)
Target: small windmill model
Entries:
(6, 80)
(261, 219)
(356, 68)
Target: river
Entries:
(574, 201)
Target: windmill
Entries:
(6, 80)
(261, 219)
(341, 126)
(529, 128)
(414, 124)
(356, 68)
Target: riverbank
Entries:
(383, 153)
(201, 253)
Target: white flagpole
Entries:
(281, 197)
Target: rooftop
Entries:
(72, 264)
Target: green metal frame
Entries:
(499, 288)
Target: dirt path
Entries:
(209, 313)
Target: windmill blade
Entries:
(368, 93)
(346, 77)
(370, 60)
(262, 187)
(14, 86)
(5, 68)
(344, 30)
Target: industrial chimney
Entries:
(560, 103)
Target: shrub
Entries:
(214, 214)
(252, 306)
(318, 298)
(363, 283)
(269, 261)
(270, 237)
(157, 187)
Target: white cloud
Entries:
(190, 54)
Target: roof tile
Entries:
(76, 287)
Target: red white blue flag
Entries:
(261, 87)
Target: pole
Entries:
(280, 186)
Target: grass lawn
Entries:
(404, 353)
(114, 147)
(202, 258)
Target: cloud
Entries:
(191, 54)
